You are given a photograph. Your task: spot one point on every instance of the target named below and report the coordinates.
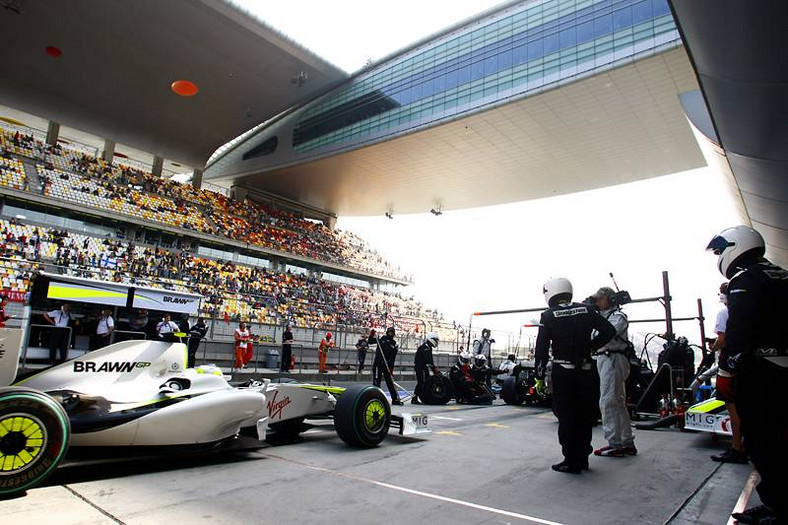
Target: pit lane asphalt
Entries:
(479, 465)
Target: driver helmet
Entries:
(557, 289)
(479, 360)
(464, 359)
(733, 243)
(432, 339)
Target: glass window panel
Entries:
(660, 7)
(641, 11)
(505, 60)
(477, 70)
(465, 75)
(550, 43)
(490, 65)
(622, 18)
(568, 37)
(603, 25)
(585, 31)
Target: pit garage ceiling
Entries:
(119, 58)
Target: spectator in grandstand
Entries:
(361, 347)
(196, 335)
(3, 316)
(243, 346)
(287, 350)
(166, 329)
(104, 329)
(59, 336)
(322, 352)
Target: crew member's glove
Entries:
(540, 387)
(695, 385)
(725, 387)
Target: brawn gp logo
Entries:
(109, 366)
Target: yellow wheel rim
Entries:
(22, 438)
(375, 415)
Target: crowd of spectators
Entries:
(231, 291)
(75, 176)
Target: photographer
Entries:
(613, 367)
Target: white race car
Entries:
(140, 394)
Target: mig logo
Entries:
(109, 366)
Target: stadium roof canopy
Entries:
(119, 59)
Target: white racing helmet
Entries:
(432, 339)
(479, 360)
(555, 287)
(464, 358)
(732, 243)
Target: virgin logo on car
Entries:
(275, 407)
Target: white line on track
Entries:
(414, 492)
(446, 418)
(744, 497)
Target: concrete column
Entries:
(238, 193)
(197, 178)
(109, 150)
(331, 223)
(158, 164)
(53, 132)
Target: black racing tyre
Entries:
(289, 428)
(34, 436)
(512, 392)
(362, 416)
(437, 390)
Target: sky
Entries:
(498, 257)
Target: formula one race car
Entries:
(521, 387)
(709, 416)
(139, 395)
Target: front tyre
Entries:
(362, 416)
(437, 390)
(513, 391)
(34, 437)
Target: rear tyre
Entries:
(512, 391)
(437, 390)
(362, 416)
(34, 437)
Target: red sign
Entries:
(15, 297)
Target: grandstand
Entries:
(254, 286)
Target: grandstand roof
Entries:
(120, 58)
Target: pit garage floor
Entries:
(479, 465)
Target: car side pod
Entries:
(34, 436)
